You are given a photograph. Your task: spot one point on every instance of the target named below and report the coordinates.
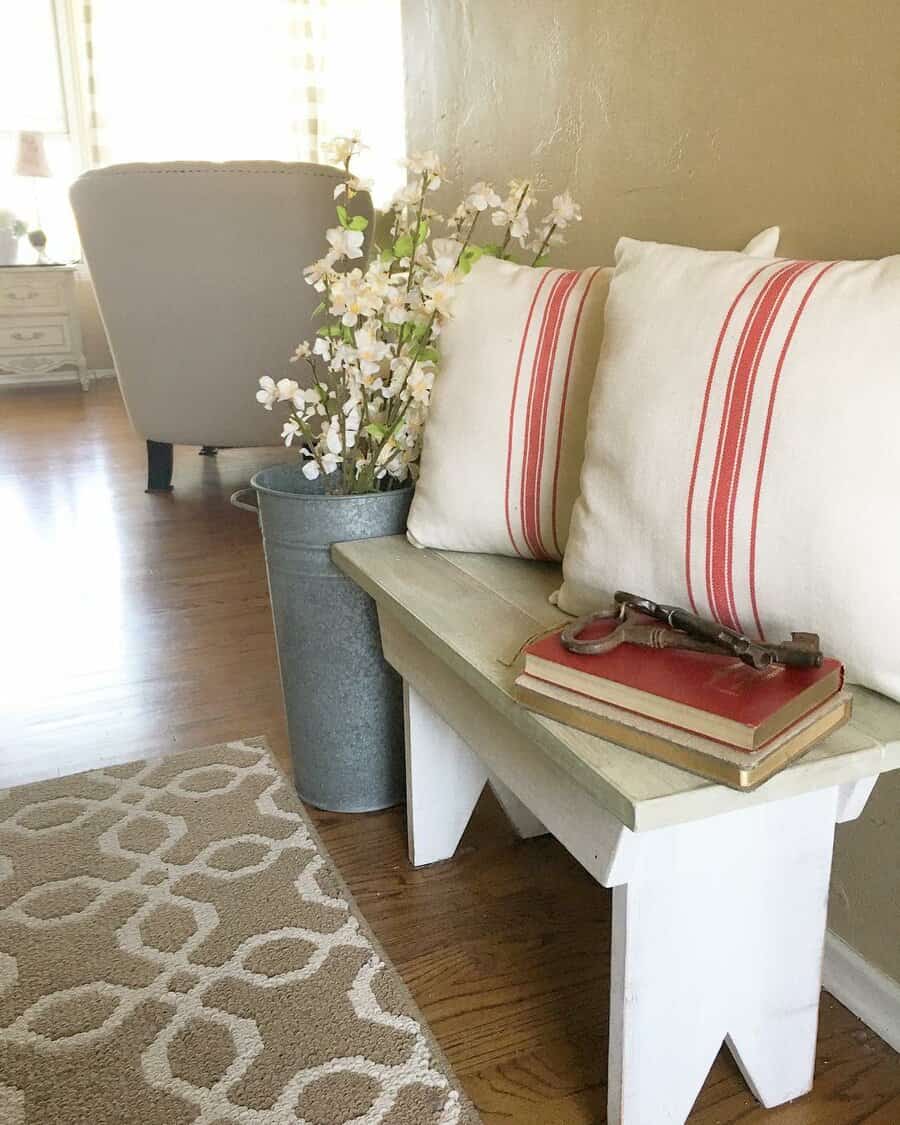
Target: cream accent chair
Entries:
(198, 275)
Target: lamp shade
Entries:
(31, 159)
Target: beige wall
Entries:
(692, 121)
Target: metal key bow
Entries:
(682, 629)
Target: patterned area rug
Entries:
(175, 946)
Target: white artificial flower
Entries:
(480, 197)
(352, 298)
(309, 401)
(565, 210)
(301, 351)
(520, 195)
(461, 215)
(353, 185)
(439, 293)
(378, 278)
(310, 469)
(320, 272)
(427, 164)
(518, 224)
(341, 149)
(289, 431)
(345, 243)
(330, 462)
(395, 310)
(370, 350)
(268, 392)
(446, 253)
(331, 435)
(322, 347)
(344, 358)
(286, 389)
(407, 196)
(419, 384)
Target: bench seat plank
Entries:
(474, 611)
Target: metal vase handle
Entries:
(238, 501)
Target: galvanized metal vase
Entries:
(343, 701)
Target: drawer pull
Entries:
(31, 295)
(24, 337)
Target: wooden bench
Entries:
(719, 897)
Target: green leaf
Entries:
(376, 431)
(429, 355)
(319, 309)
(422, 233)
(387, 256)
(492, 249)
(343, 218)
(359, 222)
(469, 257)
(403, 247)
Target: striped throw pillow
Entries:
(505, 436)
(742, 456)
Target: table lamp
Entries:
(31, 161)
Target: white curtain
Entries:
(241, 79)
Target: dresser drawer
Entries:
(32, 294)
(35, 336)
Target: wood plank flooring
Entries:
(135, 625)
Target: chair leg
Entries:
(208, 450)
(159, 466)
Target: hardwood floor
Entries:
(136, 625)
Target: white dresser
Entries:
(40, 330)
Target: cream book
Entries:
(739, 769)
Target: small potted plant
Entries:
(11, 230)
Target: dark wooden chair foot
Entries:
(208, 450)
(159, 466)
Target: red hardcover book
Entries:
(719, 697)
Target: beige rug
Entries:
(175, 946)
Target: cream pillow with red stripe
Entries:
(742, 454)
(506, 428)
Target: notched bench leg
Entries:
(444, 780)
(718, 937)
(520, 816)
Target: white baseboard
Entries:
(866, 991)
(62, 376)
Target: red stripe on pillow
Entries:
(701, 433)
(536, 422)
(715, 531)
(765, 438)
(734, 440)
(734, 484)
(562, 411)
(512, 405)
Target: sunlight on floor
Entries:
(68, 554)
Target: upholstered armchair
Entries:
(198, 275)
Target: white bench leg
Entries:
(444, 780)
(520, 816)
(718, 935)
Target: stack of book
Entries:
(710, 714)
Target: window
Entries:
(33, 97)
(111, 81)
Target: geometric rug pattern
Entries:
(176, 947)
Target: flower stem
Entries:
(544, 245)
